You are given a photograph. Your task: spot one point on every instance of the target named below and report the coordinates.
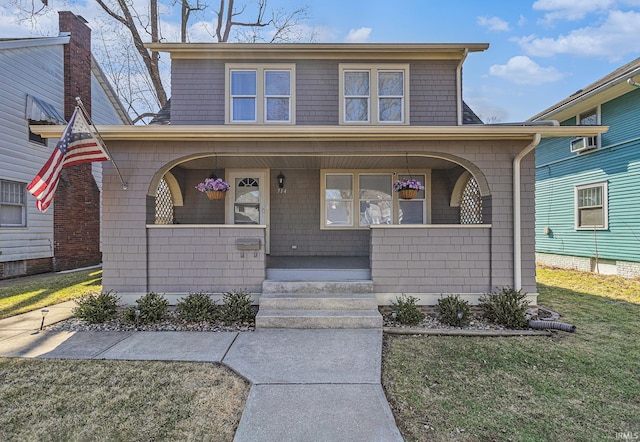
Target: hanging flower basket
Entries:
(408, 194)
(215, 188)
(408, 188)
(216, 194)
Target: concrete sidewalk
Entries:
(307, 385)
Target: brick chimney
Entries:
(76, 217)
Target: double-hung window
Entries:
(13, 210)
(359, 199)
(260, 94)
(590, 118)
(591, 206)
(373, 94)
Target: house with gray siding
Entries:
(311, 138)
(36, 75)
(587, 208)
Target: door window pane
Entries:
(247, 203)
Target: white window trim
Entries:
(261, 99)
(373, 70)
(23, 223)
(605, 205)
(598, 137)
(355, 173)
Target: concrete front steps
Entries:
(318, 304)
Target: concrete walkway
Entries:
(307, 385)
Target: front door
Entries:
(249, 202)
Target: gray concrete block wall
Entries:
(197, 208)
(431, 260)
(197, 92)
(317, 94)
(183, 259)
(295, 220)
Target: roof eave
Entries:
(266, 51)
(327, 133)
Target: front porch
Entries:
(425, 261)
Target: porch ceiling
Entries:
(317, 162)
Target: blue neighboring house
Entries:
(587, 199)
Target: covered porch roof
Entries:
(330, 133)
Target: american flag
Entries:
(77, 145)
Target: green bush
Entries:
(197, 307)
(153, 307)
(450, 307)
(508, 307)
(237, 308)
(95, 308)
(407, 312)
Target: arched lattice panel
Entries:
(164, 204)
(471, 204)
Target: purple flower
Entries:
(213, 184)
(407, 184)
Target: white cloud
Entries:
(616, 37)
(522, 20)
(360, 35)
(523, 70)
(570, 9)
(493, 23)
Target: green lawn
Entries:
(26, 294)
(571, 387)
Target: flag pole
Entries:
(87, 117)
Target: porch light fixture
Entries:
(44, 313)
(281, 181)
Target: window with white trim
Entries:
(260, 94)
(591, 206)
(590, 118)
(358, 199)
(13, 209)
(373, 94)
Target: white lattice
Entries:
(471, 204)
(164, 204)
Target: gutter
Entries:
(517, 215)
(459, 86)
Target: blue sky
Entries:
(541, 51)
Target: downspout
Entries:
(517, 228)
(459, 86)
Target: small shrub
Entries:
(153, 307)
(407, 312)
(197, 307)
(449, 309)
(237, 308)
(95, 308)
(508, 307)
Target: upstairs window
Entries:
(260, 94)
(590, 118)
(373, 94)
(13, 210)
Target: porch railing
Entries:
(431, 258)
(206, 257)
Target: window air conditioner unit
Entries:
(582, 144)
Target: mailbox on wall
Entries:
(248, 243)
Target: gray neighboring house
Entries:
(38, 79)
(311, 138)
